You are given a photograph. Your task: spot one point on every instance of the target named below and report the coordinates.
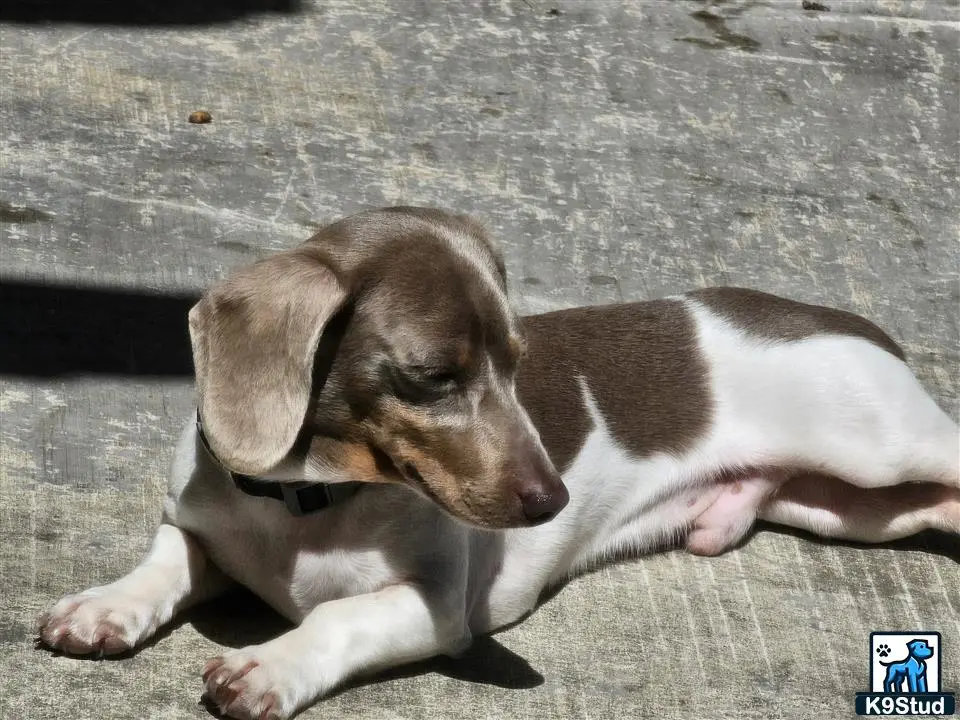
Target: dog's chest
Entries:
(321, 574)
(294, 563)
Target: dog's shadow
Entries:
(239, 619)
(932, 542)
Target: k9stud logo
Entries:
(905, 674)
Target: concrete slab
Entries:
(618, 149)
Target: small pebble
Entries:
(200, 117)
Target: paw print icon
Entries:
(883, 650)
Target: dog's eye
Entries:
(419, 384)
(441, 377)
(436, 377)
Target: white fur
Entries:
(388, 578)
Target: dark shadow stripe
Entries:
(51, 330)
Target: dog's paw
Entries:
(250, 684)
(98, 621)
(883, 650)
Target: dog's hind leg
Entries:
(833, 508)
(883, 429)
(729, 517)
(835, 404)
(895, 452)
(117, 617)
(891, 683)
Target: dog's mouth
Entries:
(488, 504)
(396, 468)
(461, 511)
(409, 472)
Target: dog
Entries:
(912, 668)
(395, 461)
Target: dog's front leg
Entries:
(114, 618)
(338, 639)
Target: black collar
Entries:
(301, 498)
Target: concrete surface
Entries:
(618, 149)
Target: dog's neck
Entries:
(301, 498)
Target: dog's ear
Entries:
(254, 338)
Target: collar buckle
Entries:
(294, 501)
(300, 497)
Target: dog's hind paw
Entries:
(98, 621)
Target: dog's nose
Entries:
(539, 487)
(541, 505)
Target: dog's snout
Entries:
(541, 490)
(539, 506)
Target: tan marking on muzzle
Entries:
(354, 460)
(459, 469)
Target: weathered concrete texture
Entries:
(619, 150)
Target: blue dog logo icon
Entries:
(905, 673)
(912, 670)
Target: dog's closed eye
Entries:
(422, 383)
(438, 376)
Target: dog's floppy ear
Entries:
(254, 338)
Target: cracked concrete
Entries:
(619, 150)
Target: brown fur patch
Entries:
(776, 318)
(518, 348)
(451, 474)
(642, 365)
(357, 460)
(464, 356)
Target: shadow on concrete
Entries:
(933, 542)
(236, 619)
(486, 662)
(55, 330)
(139, 12)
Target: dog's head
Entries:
(381, 350)
(920, 649)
